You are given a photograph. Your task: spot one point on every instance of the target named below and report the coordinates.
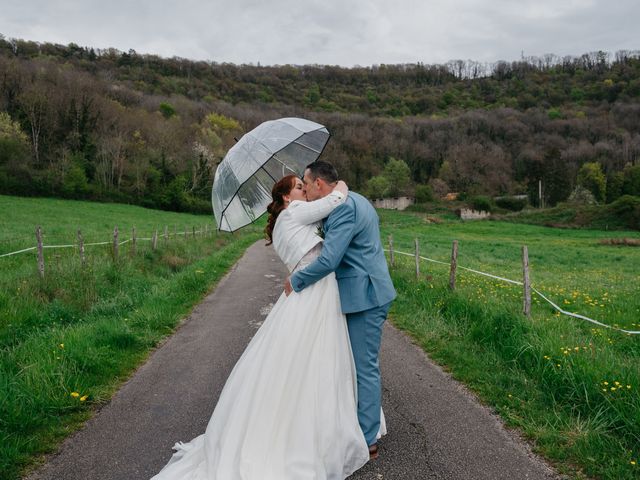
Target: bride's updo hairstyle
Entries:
(280, 189)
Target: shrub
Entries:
(512, 203)
(167, 110)
(628, 208)
(480, 202)
(424, 194)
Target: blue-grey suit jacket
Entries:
(352, 249)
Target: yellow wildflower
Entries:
(83, 398)
(75, 394)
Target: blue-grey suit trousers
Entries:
(365, 333)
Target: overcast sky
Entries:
(331, 32)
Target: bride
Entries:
(288, 409)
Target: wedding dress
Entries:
(288, 409)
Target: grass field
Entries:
(67, 342)
(569, 386)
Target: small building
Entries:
(469, 214)
(398, 203)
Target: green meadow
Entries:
(69, 340)
(571, 387)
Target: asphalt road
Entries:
(437, 430)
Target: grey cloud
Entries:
(360, 32)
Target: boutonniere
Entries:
(320, 231)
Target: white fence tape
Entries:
(582, 317)
(19, 251)
(515, 282)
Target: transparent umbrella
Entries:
(244, 179)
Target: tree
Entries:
(35, 103)
(631, 185)
(167, 110)
(377, 187)
(592, 178)
(398, 175)
(13, 150)
(581, 196)
(439, 187)
(13, 140)
(615, 183)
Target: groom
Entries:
(352, 250)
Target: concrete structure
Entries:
(469, 214)
(398, 203)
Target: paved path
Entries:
(436, 429)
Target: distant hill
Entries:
(80, 122)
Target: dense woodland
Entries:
(108, 125)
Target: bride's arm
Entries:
(305, 213)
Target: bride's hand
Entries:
(341, 187)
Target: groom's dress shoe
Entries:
(373, 451)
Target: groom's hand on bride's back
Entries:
(287, 287)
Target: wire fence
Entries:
(115, 243)
(527, 287)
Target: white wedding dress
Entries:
(288, 409)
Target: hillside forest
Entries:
(107, 125)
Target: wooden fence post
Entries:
(40, 251)
(194, 232)
(81, 247)
(417, 259)
(206, 229)
(133, 241)
(175, 232)
(454, 265)
(154, 240)
(526, 284)
(392, 257)
(115, 243)
(166, 235)
(185, 232)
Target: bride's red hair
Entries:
(280, 189)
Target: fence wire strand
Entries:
(515, 282)
(478, 272)
(160, 235)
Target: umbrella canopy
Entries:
(244, 179)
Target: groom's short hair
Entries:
(323, 170)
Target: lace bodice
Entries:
(309, 257)
(296, 232)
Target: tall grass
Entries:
(69, 340)
(570, 387)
